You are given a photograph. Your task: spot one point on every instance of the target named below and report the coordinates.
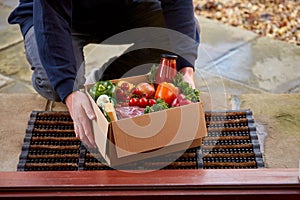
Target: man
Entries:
(55, 33)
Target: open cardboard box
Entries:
(149, 135)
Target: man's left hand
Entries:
(188, 75)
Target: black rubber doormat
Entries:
(50, 145)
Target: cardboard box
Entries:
(149, 135)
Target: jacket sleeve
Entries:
(179, 16)
(52, 25)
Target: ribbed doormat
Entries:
(50, 145)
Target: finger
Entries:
(87, 128)
(190, 81)
(76, 131)
(83, 137)
(89, 110)
(90, 136)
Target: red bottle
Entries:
(167, 68)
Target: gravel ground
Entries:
(278, 19)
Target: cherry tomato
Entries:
(137, 92)
(143, 102)
(120, 93)
(151, 102)
(126, 97)
(125, 86)
(133, 102)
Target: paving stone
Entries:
(277, 65)
(4, 81)
(217, 39)
(14, 115)
(265, 63)
(9, 3)
(277, 117)
(13, 60)
(9, 34)
(219, 93)
(24, 74)
(17, 87)
(215, 83)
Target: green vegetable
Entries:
(160, 105)
(100, 88)
(113, 100)
(185, 88)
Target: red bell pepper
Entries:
(166, 91)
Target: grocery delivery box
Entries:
(149, 135)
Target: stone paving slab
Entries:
(17, 87)
(15, 112)
(14, 115)
(217, 39)
(4, 81)
(13, 61)
(9, 34)
(264, 63)
(215, 83)
(277, 117)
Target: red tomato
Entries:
(125, 86)
(126, 97)
(143, 102)
(136, 91)
(120, 93)
(133, 102)
(151, 102)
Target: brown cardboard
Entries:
(148, 135)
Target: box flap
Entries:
(159, 129)
(100, 127)
(132, 79)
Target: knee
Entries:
(43, 87)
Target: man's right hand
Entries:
(81, 112)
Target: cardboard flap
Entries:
(157, 130)
(132, 79)
(100, 128)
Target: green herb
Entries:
(160, 105)
(185, 88)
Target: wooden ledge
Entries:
(190, 184)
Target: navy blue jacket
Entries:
(54, 21)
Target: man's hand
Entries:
(81, 111)
(188, 75)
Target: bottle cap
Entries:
(169, 56)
